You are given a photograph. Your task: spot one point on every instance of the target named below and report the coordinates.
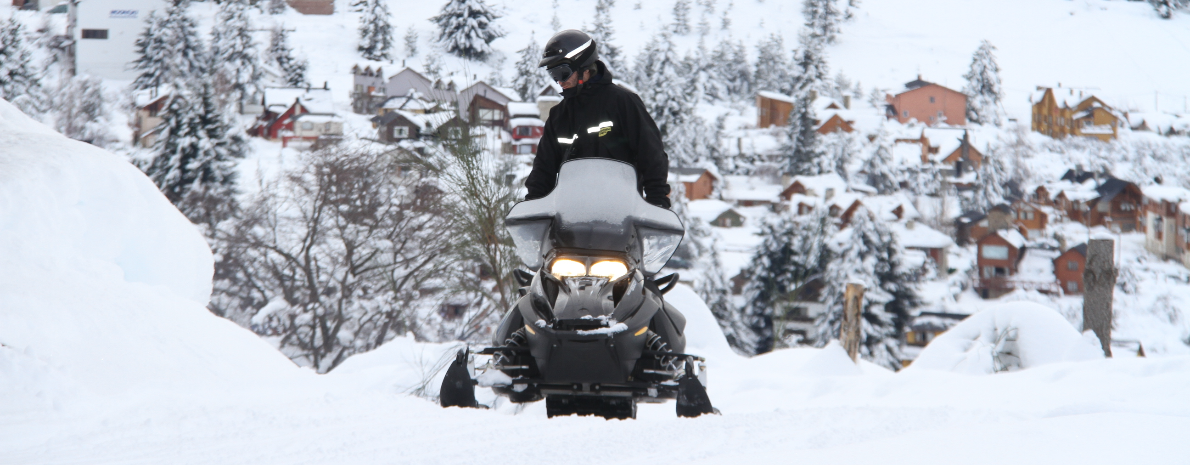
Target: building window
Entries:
(359, 87)
(95, 33)
(905, 113)
(524, 149)
(400, 132)
(1071, 265)
(1071, 286)
(995, 252)
(490, 114)
(326, 128)
(307, 126)
(1127, 207)
(931, 99)
(523, 131)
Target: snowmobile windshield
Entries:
(596, 206)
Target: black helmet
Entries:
(568, 51)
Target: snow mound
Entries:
(102, 281)
(1009, 336)
(703, 335)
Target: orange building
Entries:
(1069, 267)
(1059, 112)
(772, 109)
(928, 103)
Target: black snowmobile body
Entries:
(591, 332)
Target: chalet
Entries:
(918, 237)
(772, 109)
(484, 105)
(525, 126)
(411, 102)
(1117, 206)
(368, 89)
(313, 7)
(282, 104)
(928, 103)
(822, 186)
(999, 253)
(1165, 124)
(833, 116)
(398, 125)
(318, 129)
(973, 226)
(407, 79)
(963, 155)
(1031, 218)
(926, 326)
(1069, 268)
(1183, 230)
(1162, 209)
(148, 118)
(1059, 112)
(749, 191)
(547, 98)
(699, 183)
(716, 213)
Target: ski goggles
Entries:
(560, 73)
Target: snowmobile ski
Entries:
(458, 389)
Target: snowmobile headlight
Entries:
(566, 267)
(610, 269)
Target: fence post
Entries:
(1099, 279)
(853, 299)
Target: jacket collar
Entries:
(603, 76)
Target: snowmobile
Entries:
(591, 333)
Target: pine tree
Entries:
(681, 25)
(465, 28)
(235, 62)
(195, 156)
(772, 66)
(881, 169)
(276, 7)
(811, 70)
(803, 148)
(732, 74)
(792, 253)
(657, 68)
(529, 78)
(868, 253)
(991, 179)
(822, 19)
(715, 289)
(375, 31)
(603, 33)
(704, 21)
(411, 42)
(292, 70)
(983, 87)
(20, 83)
(83, 111)
(169, 50)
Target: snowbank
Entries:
(102, 281)
(1005, 337)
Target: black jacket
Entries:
(601, 120)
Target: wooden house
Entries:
(1118, 206)
(772, 109)
(1031, 218)
(699, 183)
(822, 186)
(282, 104)
(928, 103)
(997, 259)
(1069, 268)
(317, 129)
(485, 105)
(928, 325)
(1183, 232)
(1161, 213)
(1059, 112)
(398, 125)
(149, 115)
(716, 213)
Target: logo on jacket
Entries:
(603, 128)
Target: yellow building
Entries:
(1059, 112)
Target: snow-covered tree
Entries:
(838, 150)
(881, 168)
(802, 147)
(529, 78)
(983, 87)
(603, 32)
(792, 253)
(772, 66)
(867, 252)
(195, 156)
(1166, 8)
(991, 182)
(290, 69)
(810, 69)
(20, 83)
(822, 19)
(411, 42)
(170, 50)
(714, 286)
(83, 111)
(465, 28)
(375, 31)
(681, 24)
(235, 63)
(732, 75)
(704, 20)
(657, 69)
(276, 7)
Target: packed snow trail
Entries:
(107, 356)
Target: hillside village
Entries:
(966, 232)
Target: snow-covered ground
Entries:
(107, 356)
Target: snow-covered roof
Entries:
(1166, 193)
(523, 109)
(885, 204)
(1063, 96)
(509, 92)
(919, 236)
(408, 103)
(750, 188)
(518, 122)
(1160, 122)
(1037, 265)
(317, 118)
(707, 209)
(906, 154)
(427, 121)
(775, 96)
(818, 185)
(1013, 237)
(316, 100)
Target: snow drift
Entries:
(102, 281)
(1010, 336)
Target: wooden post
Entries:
(1099, 278)
(849, 333)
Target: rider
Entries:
(596, 119)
